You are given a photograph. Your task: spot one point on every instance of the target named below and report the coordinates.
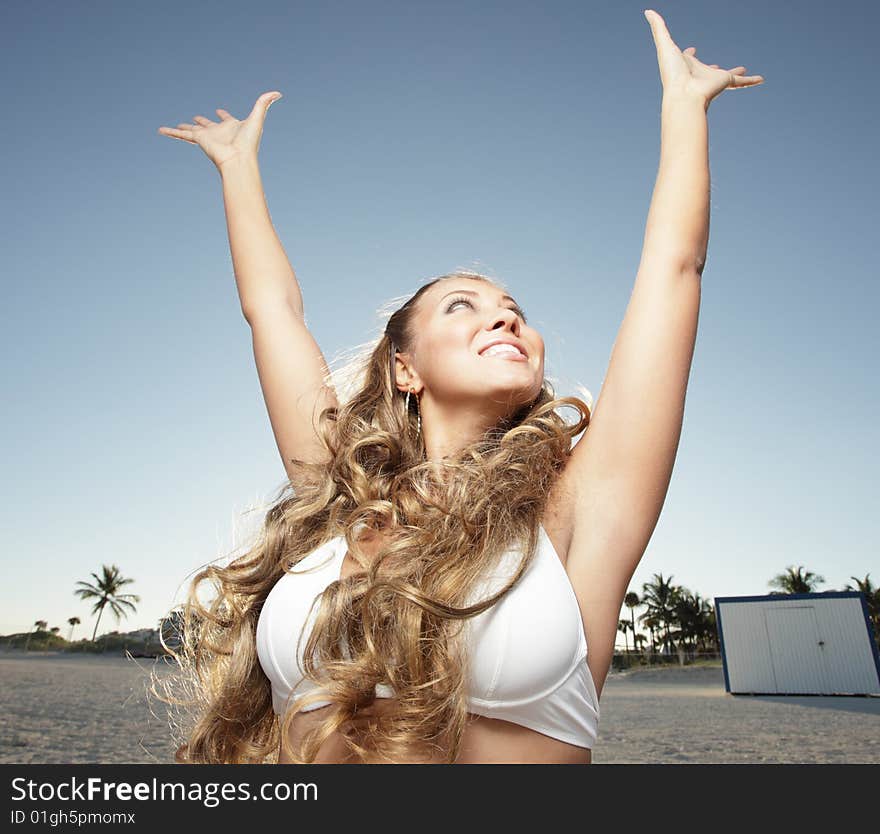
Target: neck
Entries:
(448, 429)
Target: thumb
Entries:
(659, 29)
(650, 16)
(263, 103)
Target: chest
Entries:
(533, 637)
(517, 648)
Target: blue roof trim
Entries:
(721, 642)
(871, 639)
(765, 597)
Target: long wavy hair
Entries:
(447, 523)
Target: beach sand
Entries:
(80, 708)
(62, 708)
(674, 715)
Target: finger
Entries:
(739, 72)
(747, 80)
(738, 79)
(203, 121)
(224, 114)
(185, 135)
(658, 28)
(691, 50)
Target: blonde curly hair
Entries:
(448, 523)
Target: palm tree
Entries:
(872, 600)
(687, 617)
(793, 581)
(106, 592)
(631, 600)
(651, 622)
(73, 622)
(39, 625)
(660, 597)
(695, 617)
(623, 627)
(707, 630)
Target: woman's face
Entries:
(456, 319)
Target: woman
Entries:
(428, 588)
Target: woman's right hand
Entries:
(229, 138)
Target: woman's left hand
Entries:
(683, 75)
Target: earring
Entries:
(418, 409)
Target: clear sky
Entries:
(413, 138)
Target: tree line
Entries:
(674, 617)
(679, 620)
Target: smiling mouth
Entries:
(506, 354)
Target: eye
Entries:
(463, 300)
(459, 300)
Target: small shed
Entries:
(798, 644)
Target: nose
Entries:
(506, 318)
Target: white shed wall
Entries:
(797, 645)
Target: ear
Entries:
(406, 378)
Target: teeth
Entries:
(499, 349)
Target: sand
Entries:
(672, 715)
(79, 708)
(60, 708)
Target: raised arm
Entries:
(289, 363)
(619, 472)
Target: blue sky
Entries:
(518, 139)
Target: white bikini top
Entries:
(529, 650)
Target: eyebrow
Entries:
(471, 292)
